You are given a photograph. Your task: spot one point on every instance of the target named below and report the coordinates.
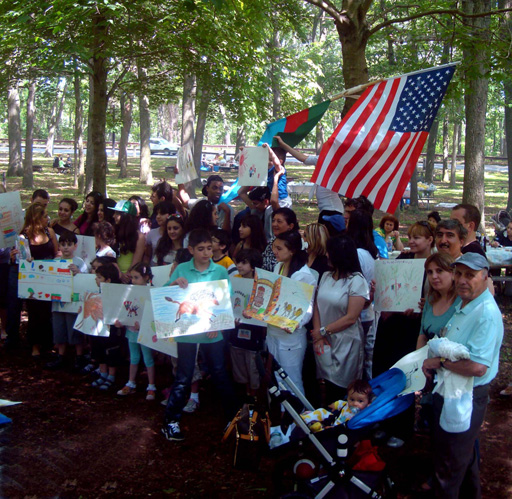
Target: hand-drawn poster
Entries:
(411, 365)
(86, 249)
(199, 308)
(11, 218)
(279, 300)
(90, 316)
(23, 246)
(253, 169)
(82, 283)
(46, 280)
(147, 334)
(123, 302)
(398, 284)
(241, 290)
(185, 165)
(161, 275)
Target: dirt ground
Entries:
(68, 440)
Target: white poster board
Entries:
(398, 284)
(147, 334)
(253, 169)
(45, 280)
(185, 166)
(82, 284)
(161, 275)
(199, 308)
(123, 303)
(86, 249)
(11, 218)
(90, 316)
(241, 290)
(411, 365)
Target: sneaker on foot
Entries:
(191, 406)
(58, 363)
(151, 394)
(395, 442)
(171, 431)
(164, 402)
(126, 390)
(507, 392)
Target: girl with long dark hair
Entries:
(170, 242)
(89, 217)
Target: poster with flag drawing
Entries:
(375, 148)
(253, 169)
(11, 218)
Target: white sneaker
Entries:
(191, 406)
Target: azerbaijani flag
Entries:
(295, 127)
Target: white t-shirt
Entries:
(327, 199)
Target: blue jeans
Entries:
(213, 355)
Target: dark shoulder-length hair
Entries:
(165, 244)
(127, 233)
(343, 257)
(201, 216)
(289, 215)
(98, 199)
(360, 230)
(257, 238)
(293, 241)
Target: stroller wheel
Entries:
(305, 469)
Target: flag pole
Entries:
(354, 90)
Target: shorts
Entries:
(63, 330)
(244, 367)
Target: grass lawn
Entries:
(59, 185)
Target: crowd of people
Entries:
(206, 241)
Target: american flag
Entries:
(375, 148)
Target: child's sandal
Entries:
(99, 382)
(108, 383)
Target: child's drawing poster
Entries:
(90, 316)
(279, 300)
(147, 334)
(253, 169)
(199, 308)
(86, 249)
(241, 290)
(46, 280)
(398, 284)
(123, 303)
(11, 218)
(82, 284)
(411, 365)
(161, 275)
(185, 165)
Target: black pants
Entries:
(455, 454)
(39, 328)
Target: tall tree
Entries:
(126, 117)
(14, 131)
(145, 175)
(28, 175)
(56, 114)
(78, 136)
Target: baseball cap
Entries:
(125, 206)
(474, 261)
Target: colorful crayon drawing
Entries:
(253, 169)
(199, 308)
(82, 284)
(147, 334)
(279, 300)
(11, 218)
(90, 316)
(123, 303)
(46, 280)
(241, 292)
(398, 284)
(185, 164)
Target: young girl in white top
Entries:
(104, 238)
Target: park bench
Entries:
(37, 168)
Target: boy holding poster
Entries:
(199, 269)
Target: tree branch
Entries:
(329, 8)
(114, 86)
(453, 12)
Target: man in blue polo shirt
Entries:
(478, 325)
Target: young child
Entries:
(199, 269)
(62, 319)
(104, 238)
(221, 241)
(247, 339)
(251, 235)
(141, 275)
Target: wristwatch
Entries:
(442, 360)
(325, 332)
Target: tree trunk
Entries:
(414, 188)
(475, 98)
(455, 143)
(187, 121)
(55, 119)
(507, 85)
(202, 110)
(126, 116)
(78, 139)
(145, 176)
(225, 125)
(431, 152)
(275, 75)
(15, 168)
(320, 139)
(28, 174)
(89, 160)
(240, 138)
(446, 150)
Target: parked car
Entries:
(159, 145)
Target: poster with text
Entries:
(90, 316)
(279, 301)
(161, 275)
(46, 280)
(253, 169)
(185, 165)
(398, 284)
(147, 334)
(199, 308)
(11, 218)
(82, 284)
(123, 303)
(241, 290)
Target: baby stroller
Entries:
(500, 221)
(334, 445)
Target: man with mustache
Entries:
(477, 324)
(450, 237)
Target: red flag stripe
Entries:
(296, 120)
